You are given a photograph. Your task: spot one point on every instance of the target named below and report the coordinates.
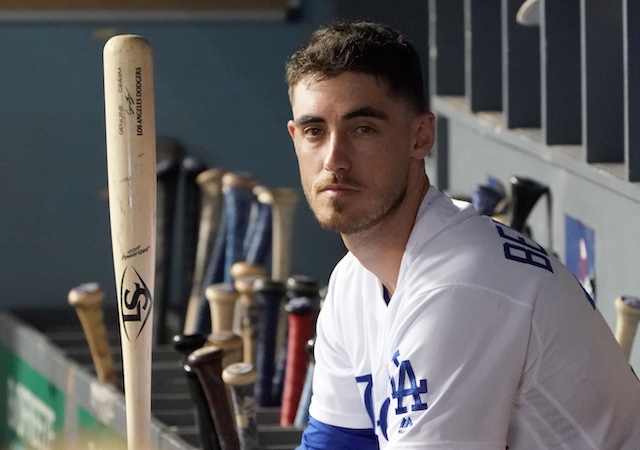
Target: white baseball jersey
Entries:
(488, 341)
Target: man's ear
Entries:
(424, 135)
(291, 126)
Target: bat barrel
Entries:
(259, 241)
(191, 198)
(222, 304)
(210, 184)
(131, 164)
(245, 276)
(300, 329)
(628, 312)
(297, 286)
(241, 377)
(86, 299)
(283, 202)
(302, 413)
(269, 295)
(238, 201)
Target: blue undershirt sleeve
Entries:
(320, 436)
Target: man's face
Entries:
(355, 143)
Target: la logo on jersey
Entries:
(406, 393)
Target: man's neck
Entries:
(380, 249)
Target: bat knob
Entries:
(302, 286)
(187, 343)
(239, 374)
(299, 306)
(240, 270)
(85, 294)
(238, 179)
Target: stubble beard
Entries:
(350, 217)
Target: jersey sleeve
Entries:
(336, 399)
(456, 356)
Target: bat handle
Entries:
(206, 428)
(207, 364)
(628, 316)
(241, 377)
(300, 312)
(302, 414)
(86, 299)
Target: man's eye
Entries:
(363, 129)
(311, 131)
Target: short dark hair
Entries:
(365, 47)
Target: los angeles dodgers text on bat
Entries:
(139, 131)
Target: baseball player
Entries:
(441, 328)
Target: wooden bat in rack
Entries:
(207, 364)
(300, 330)
(210, 183)
(241, 378)
(222, 304)
(258, 243)
(283, 202)
(269, 295)
(185, 345)
(245, 275)
(229, 245)
(169, 156)
(86, 299)
(131, 166)
(190, 199)
(302, 414)
(628, 312)
(222, 298)
(238, 201)
(297, 286)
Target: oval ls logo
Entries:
(136, 302)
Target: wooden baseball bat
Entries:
(206, 428)
(269, 295)
(131, 164)
(238, 200)
(245, 275)
(210, 184)
(169, 156)
(257, 245)
(302, 414)
(241, 377)
(230, 344)
(300, 330)
(297, 286)
(185, 345)
(86, 299)
(283, 202)
(236, 210)
(207, 364)
(188, 224)
(222, 304)
(628, 316)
